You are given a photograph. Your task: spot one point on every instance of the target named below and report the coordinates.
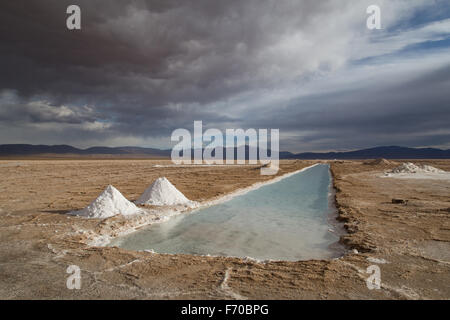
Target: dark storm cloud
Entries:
(412, 112)
(140, 69)
(168, 50)
(15, 112)
(134, 58)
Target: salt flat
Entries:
(38, 240)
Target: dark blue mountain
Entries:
(391, 152)
(29, 150)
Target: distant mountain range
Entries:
(391, 152)
(34, 150)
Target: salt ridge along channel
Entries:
(291, 219)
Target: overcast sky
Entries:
(137, 70)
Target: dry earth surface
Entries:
(38, 241)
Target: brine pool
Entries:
(287, 220)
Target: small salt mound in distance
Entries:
(163, 193)
(430, 169)
(411, 171)
(412, 168)
(109, 203)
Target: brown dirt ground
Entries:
(38, 241)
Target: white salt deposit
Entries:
(410, 170)
(376, 260)
(163, 193)
(430, 169)
(109, 203)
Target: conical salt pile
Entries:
(163, 193)
(109, 203)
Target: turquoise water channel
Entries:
(286, 220)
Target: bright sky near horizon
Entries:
(137, 70)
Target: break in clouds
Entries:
(137, 70)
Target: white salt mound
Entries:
(163, 193)
(430, 169)
(412, 168)
(109, 203)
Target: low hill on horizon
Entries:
(387, 152)
(35, 150)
